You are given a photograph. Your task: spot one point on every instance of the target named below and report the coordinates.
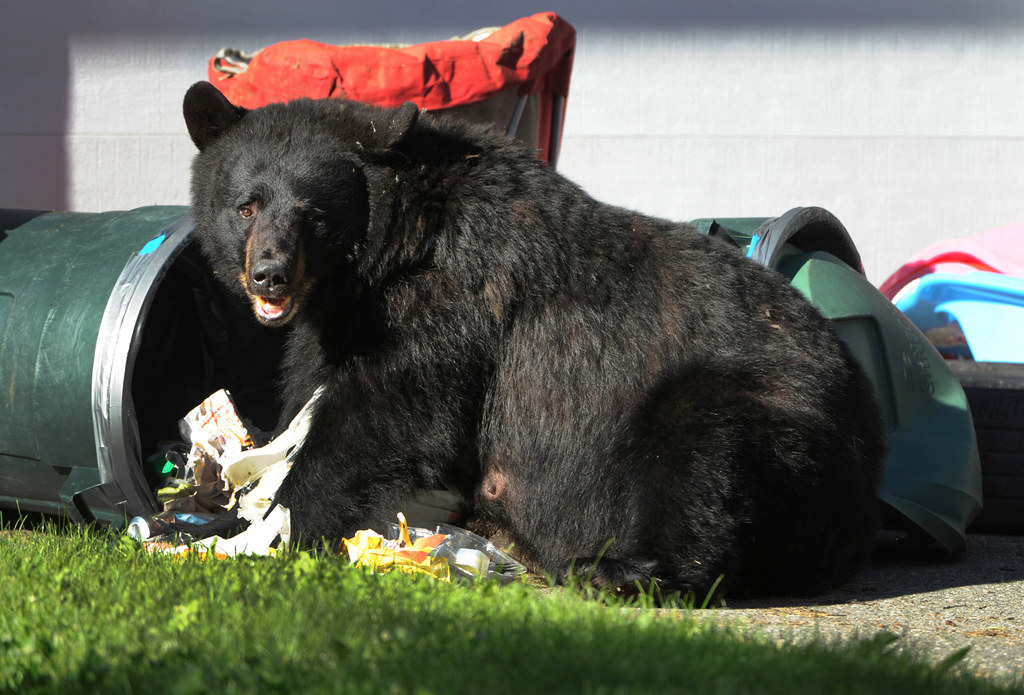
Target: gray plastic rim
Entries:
(118, 449)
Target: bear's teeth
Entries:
(273, 308)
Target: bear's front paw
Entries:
(620, 577)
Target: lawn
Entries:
(85, 610)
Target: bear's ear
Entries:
(402, 120)
(208, 113)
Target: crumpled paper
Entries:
(253, 477)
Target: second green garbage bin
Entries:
(932, 477)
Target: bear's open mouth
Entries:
(273, 309)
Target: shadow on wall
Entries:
(33, 118)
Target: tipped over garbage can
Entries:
(932, 482)
(111, 327)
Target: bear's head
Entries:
(280, 195)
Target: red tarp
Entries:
(533, 53)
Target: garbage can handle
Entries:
(808, 229)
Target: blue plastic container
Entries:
(989, 308)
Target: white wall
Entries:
(905, 119)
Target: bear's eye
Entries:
(246, 211)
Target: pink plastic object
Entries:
(996, 250)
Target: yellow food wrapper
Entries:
(179, 552)
(370, 549)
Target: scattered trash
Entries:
(444, 552)
(227, 476)
(143, 528)
(472, 557)
(372, 550)
(225, 482)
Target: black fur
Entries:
(583, 373)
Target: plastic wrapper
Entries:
(401, 553)
(443, 551)
(157, 526)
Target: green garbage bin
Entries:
(932, 478)
(111, 329)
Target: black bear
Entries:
(622, 396)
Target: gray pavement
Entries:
(934, 604)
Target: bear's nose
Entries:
(270, 274)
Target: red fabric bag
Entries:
(529, 57)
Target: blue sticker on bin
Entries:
(753, 244)
(153, 244)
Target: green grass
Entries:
(86, 611)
